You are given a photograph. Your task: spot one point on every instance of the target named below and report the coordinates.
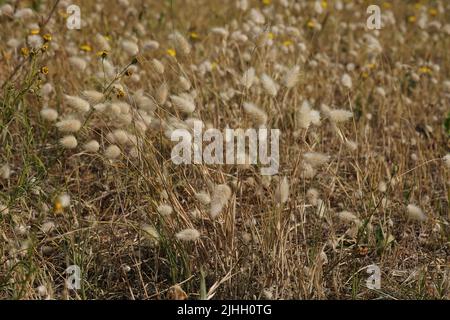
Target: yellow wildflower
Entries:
(425, 70)
(86, 47)
(25, 52)
(120, 93)
(103, 54)
(171, 52)
(44, 70)
(194, 36)
(311, 24)
(287, 43)
(58, 207)
(44, 47)
(433, 12)
(47, 37)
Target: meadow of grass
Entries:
(86, 176)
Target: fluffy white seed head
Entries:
(351, 145)
(203, 197)
(447, 160)
(92, 96)
(162, 93)
(340, 115)
(181, 44)
(49, 114)
(23, 13)
(313, 196)
(41, 291)
(150, 233)
(47, 227)
(130, 47)
(69, 125)
(151, 45)
(347, 216)
(269, 85)
(46, 90)
(91, 146)
(221, 195)
(282, 192)
(165, 209)
(316, 159)
(6, 10)
(256, 114)
(158, 66)
(308, 171)
(102, 42)
(112, 152)
(120, 136)
(144, 103)
(415, 213)
(3, 209)
(220, 31)
(346, 81)
(291, 77)
(188, 235)
(78, 63)
(77, 103)
(5, 171)
(305, 116)
(382, 187)
(248, 78)
(63, 200)
(182, 104)
(185, 84)
(68, 142)
(100, 107)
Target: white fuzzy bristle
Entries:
(112, 152)
(182, 104)
(165, 209)
(188, 235)
(77, 103)
(69, 125)
(68, 142)
(415, 213)
(91, 146)
(255, 113)
(269, 85)
(220, 197)
(282, 192)
(49, 114)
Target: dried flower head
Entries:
(112, 152)
(164, 209)
(282, 192)
(188, 235)
(415, 213)
(221, 195)
(68, 142)
(255, 113)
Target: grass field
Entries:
(87, 178)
